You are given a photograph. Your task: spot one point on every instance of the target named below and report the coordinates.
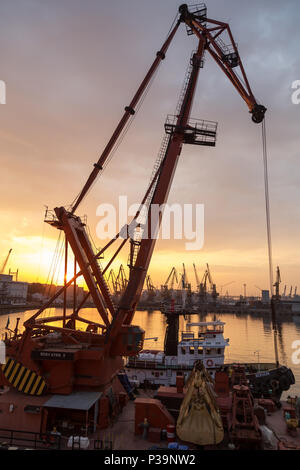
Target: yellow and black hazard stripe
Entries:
(23, 379)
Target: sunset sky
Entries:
(70, 67)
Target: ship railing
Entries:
(254, 366)
(155, 365)
(28, 439)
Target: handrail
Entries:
(40, 440)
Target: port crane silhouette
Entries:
(277, 284)
(3, 267)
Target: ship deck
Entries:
(276, 422)
(120, 434)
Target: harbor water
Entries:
(251, 338)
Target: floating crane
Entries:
(2, 269)
(95, 356)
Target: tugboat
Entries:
(154, 367)
(161, 367)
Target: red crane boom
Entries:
(107, 341)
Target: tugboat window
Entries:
(192, 350)
(183, 350)
(200, 350)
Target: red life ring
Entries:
(209, 363)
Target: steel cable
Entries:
(267, 204)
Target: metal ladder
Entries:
(161, 155)
(184, 88)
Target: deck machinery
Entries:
(52, 355)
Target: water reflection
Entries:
(247, 334)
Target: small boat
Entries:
(153, 368)
(161, 367)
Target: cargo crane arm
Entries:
(226, 56)
(209, 39)
(196, 276)
(2, 269)
(129, 112)
(121, 278)
(203, 284)
(185, 282)
(116, 321)
(277, 283)
(284, 291)
(114, 337)
(113, 279)
(209, 275)
(169, 277)
(227, 284)
(172, 276)
(150, 286)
